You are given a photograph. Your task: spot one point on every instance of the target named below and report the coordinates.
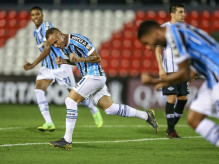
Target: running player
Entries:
(50, 71)
(177, 93)
(93, 83)
(196, 53)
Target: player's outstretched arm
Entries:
(182, 75)
(46, 50)
(162, 72)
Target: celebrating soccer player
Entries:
(93, 83)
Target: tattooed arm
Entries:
(93, 58)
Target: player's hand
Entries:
(73, 58)
(60, 60)
(147, 79)
(28, 66)
(162, 74)
(160, 85)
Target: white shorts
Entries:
(92, 87)
(207, 101)
(63, 75)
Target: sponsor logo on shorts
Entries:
(170, 88)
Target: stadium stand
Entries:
(112, 31)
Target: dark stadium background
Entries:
(111, 25)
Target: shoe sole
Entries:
(99, 125)
(173, 137)
(43, 130)
(66, 147)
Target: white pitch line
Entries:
(126, 126)
(104, 126)
(11, 128)
(96, 142)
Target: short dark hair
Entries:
(146, 26)
(51, 31)
(36, 8)
(173, 7)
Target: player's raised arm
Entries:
(46, 50)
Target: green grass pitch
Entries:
(120, 140)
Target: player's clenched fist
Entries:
(60, 60)
(27, 66)
(73, 57)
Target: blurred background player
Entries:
(93, 83)
(177, 93)
(196, 53)
(50, 71)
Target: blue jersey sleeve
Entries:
(176, 40)
(82, 44)
(47, 25)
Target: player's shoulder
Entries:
(78, 37)
(166, 24)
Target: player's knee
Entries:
(171, 99)
(182, 98)
(113, 109)
(193, 120)
(189, 120)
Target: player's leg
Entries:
(106, 103)
(83, 89)
(41, 86)
(94, 111)
(206, 103)
(169, 109)
(64, 76)
(71, 103)
(179, 107)
(205, 127)
(183, 89)
(171, 93)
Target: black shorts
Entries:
(177, 89)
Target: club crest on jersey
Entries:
(81, 41)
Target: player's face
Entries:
(151, 40)
(36, 17)
(179, 15)
(57, 40)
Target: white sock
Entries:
(90, 105)
(71, 118)
(209, 130)
(126, 111)
(141, 114)
(43, 105)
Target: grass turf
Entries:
(18, 125)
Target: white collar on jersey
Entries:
(38, 29)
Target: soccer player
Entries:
(93, 83)
(196, 53)
(50, 71)
(176, 93)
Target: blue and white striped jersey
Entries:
(40, 36)
(188, 42)
(82, 47)
(168, 59)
